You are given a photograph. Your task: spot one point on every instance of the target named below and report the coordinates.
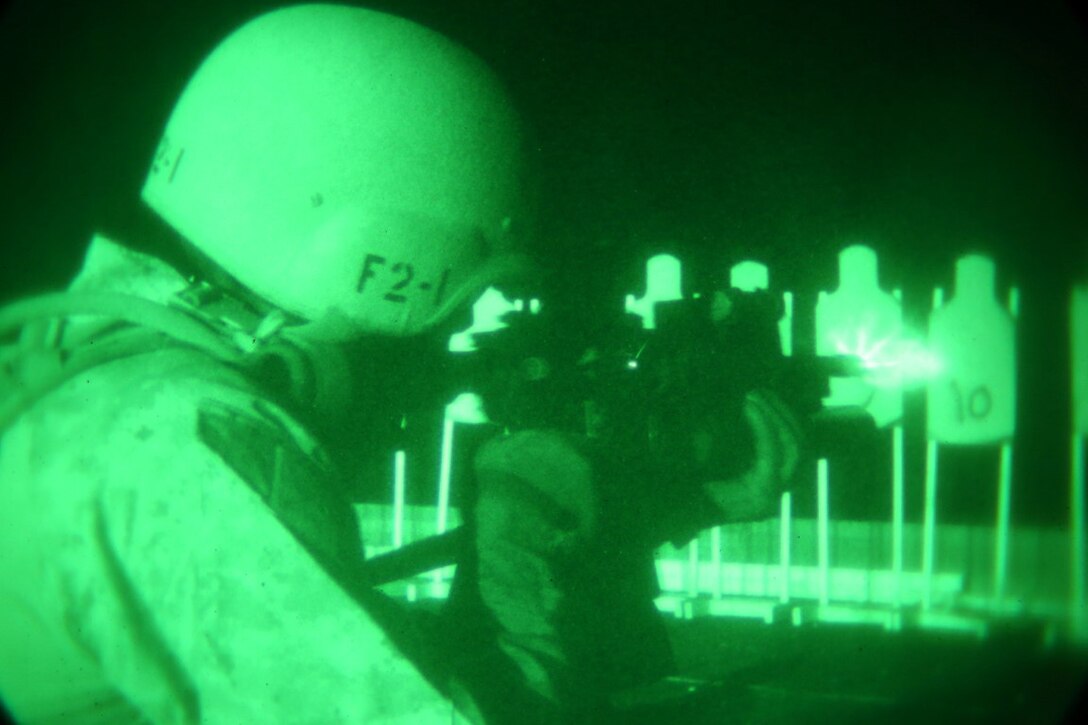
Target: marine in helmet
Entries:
(180, 430)
(177, 544)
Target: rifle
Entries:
(616, 381)
(643, 391)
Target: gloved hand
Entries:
(778, 444)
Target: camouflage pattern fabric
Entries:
(144, 574)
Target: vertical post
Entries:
(1078, 424)
(929, 530)
(716, 557)
(398, 499)
(823, 531)
(1001, 534)
(1004, 496)
(785, 325)
(445, 468)
(897, 516)
(785, 336)
(929, 522)
(693, 568)
(444, 473)
(897, 493)
(1077, 526)
(784, 547)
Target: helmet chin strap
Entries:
(315, 370)
(319, 373)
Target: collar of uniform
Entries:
(111, 267)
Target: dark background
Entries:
(716, 131)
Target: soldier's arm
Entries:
(173, 573)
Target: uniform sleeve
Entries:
(198, 604)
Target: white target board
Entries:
(749, 276)
(1078, 322)
(861, 319)
(663, 278)
(972, 396)
(752, 276)
(487, 314)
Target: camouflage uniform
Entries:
(171, 550)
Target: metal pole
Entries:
(444, 475)
(716, 556)
(1004, 496)
(398, 499)
(1077, 527)
(1001, 534)
(823, 532)
(929, 533)
(784, 547)
(897, 515)
(929, 525)
(693, 568)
